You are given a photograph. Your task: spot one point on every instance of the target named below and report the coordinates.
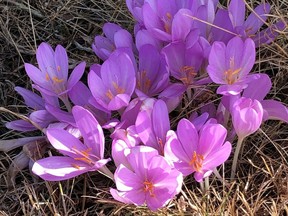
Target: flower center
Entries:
(149, 187)
(232, 74)
(197, 161)
(143, 83)
(189, 73)
(83, 155)
(118, 90)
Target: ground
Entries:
(261, 186)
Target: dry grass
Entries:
(261, 187)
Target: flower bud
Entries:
(247, 116)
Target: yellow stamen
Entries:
(47, 78)
(109, 94)
(85, 154)
(231, 75)
(118, 89)
(57, 80)
(148, 187)
(189, 73)
(168, 15)
(196, 161)
(75, 166)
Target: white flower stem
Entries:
(202, 187)
(206, 183)
(105, 171)
(66, 103)
(235, 158)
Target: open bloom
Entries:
(52, 78)
(196, 153)
(229, 65)
(78, 157)
(183, 62)
(113, 83)
(247, 116)
(146, 178)
(167, 20)
(152, 76)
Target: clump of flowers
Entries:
(178, 47)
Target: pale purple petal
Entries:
(258, 88)
(80, 94)
(236, 10)
(65, 142)
(76, 75)
(90, 130)
(126, 180)
(275, 110)
(61, 63)
(188, 136)
(212, 136)
(58, 168)
(31, 99)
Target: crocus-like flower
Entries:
(198, 154)
(166, 20)
(183, 62)
(52, 78)
(247, 116)
(116, 37)
(146, 178)
(248, 27)
(113, 83)
(152, 126)
(78, 157)
(152, 76)
(229, 65)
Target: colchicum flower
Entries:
(78, 157)
(113, 83)
(196, 153)
(229, 65)
(52, 78)
(152, 126)
(247, 116)
(146, 178)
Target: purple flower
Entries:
(152, 76)
(116, 37)
(152, 126)
(183, 62)
(147, 178)
(229, 65)
(247, 116)
(78, 157)
(197, 153)
(250, 27)
(52, 78)
(113, 83)
(166, 20)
